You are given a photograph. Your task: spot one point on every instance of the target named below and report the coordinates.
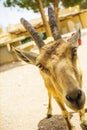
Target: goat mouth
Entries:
(75, 107)
(78, 107)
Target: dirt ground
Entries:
(23, 98)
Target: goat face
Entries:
(59, 63)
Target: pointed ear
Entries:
(29, 57)
(75, 38)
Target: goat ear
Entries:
(29, 57)
(75, 38)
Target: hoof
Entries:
(84, 125)
(49, 116)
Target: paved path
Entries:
(23, 98)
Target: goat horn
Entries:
(33, 32)
(53, 24)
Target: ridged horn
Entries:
(35, 35)
(53, 24)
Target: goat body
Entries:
(60, 69)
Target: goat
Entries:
(59, 67)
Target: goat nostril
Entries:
(76, 98)
(79, 94)
(69, 98)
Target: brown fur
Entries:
(60, 69)
(52, 57)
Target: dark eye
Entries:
(74, 51)
(69, 98)
(42, 67)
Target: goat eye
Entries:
(42, 67)
(74, 51)
(69, 98)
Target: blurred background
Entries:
(70, 16)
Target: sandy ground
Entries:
(23, 98)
